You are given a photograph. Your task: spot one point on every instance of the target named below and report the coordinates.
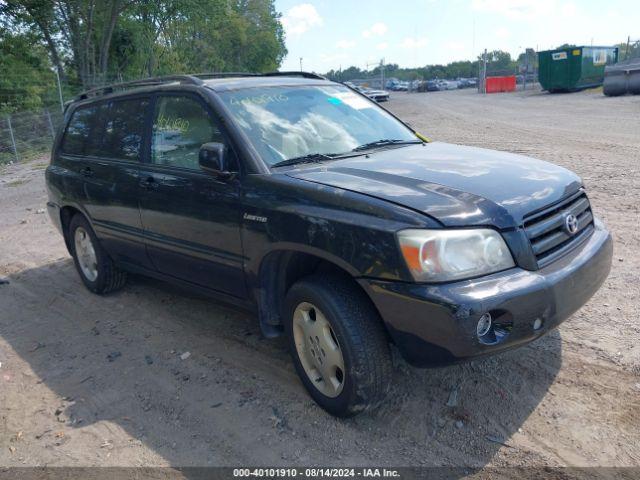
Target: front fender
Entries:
(353, 231)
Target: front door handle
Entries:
(149, 183)
(86, 172)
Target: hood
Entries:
(456, 185)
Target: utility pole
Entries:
(382, 74)
(59, 90)
(53, 131)
(627, 51)
(301, 64)
(484, 71)
(13, 139)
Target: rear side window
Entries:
(80, 131)
(109, 130)
(124, 128)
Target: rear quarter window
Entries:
(111, 129)
(80, 130)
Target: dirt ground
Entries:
(88, 380)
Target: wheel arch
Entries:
(66, 214)
(280, 269)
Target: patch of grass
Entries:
(40, 166)
(16, 183)
(594, 90)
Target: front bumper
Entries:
(436, 324)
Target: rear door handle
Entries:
(86, 172)
(149, 183)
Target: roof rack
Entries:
(184, 79)
(254, 74)
(295, 74)
(225, 74)
(195, 79)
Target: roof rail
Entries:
(95, 92)
(225, 74)
(254, 74)
(195, 79)
(295, 74)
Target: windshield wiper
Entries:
(384, 143)
(309, 158)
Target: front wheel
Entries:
(96, 269)
(338, 344)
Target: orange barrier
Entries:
(501, 84)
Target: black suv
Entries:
(334, 221)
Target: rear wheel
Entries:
(97, 270)
(338, 344)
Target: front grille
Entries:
(546, 229)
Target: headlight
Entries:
(445, 255)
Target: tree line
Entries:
(498, 62)
(93, 42)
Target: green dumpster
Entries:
(574, 68)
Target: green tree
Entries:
(82, 27)
(38, 18)
(26, 78)
(499, 62)
(100, 41)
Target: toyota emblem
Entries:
(571, 224)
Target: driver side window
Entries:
(180, 126)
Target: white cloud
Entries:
(411, 42)
(345, 44)
(456, 46)
(515, 9)
(377, 30)
(382, 46)
(569, 9)
(301, 18)
(503, 33)
(333, 58)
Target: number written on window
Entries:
(180, 126)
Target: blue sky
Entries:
(332, 33)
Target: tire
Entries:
(107, 278)
(355, 328)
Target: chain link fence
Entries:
(629, 51)
(27, 135)
(27, 131)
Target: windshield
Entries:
(284, 123)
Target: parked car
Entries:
(432, 86)
(391, 84)
(467, 82)
(442, 84)
(402, 87)
(340, 226)
(376, 95)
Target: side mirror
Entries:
(211, 158)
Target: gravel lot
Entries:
(88, 380)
